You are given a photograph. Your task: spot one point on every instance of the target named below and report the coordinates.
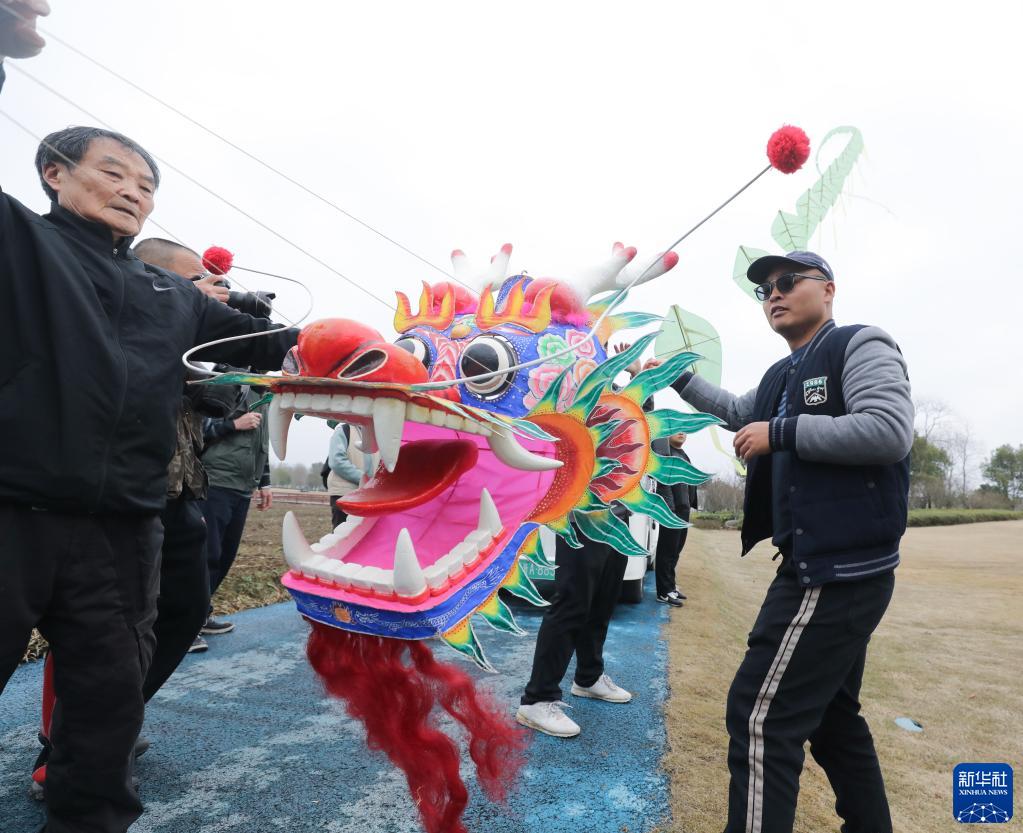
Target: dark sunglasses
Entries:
(785, 283)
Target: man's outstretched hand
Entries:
(18, 35)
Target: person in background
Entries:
(237, 462)
(681, 499)
(347, 466)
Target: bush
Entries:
(948, 517)
(715, 520)
(917, 517)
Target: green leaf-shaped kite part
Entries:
(793, 231)
(605, 465)
(497, 614)
(613, 298)
(606, 371)
(647, 383)
(664, 422)
(589, 502)
(671, 470)
(519, 584)
(640, 500)
(584, 402)
(602, 431)
(533, 430)
(532, 551)
(465, 642)
(563, 528)
(743, 260)
(630, 320)
(605, 528)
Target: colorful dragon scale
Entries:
(469, 473)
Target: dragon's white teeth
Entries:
(388, 422)
(490, 520)
(417, 413)
(507, 449)
(437, 418)
(350, 523)
(287, 400)
(408, 575)
(454, 422)
(279, 423)
(320, 402)
(436, 576)
(340, 403)
(467, 552)
(480, 539)
(303, 401)
(296, 549)
(362, 406)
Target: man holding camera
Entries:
(826, 438)
(91, 339)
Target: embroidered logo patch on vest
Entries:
(815, 391)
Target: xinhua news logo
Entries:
(982, 793)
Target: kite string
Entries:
(614, 302)
(238, 148)
(210, 191)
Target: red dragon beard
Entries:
(391, 685)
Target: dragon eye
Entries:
(361, 366)
(488, 354)
(417, 347)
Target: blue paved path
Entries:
(244, 740)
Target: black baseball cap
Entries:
(760, 268)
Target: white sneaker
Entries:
(603, 689)
(548, 718)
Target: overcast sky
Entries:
(562, 127)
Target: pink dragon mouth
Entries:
(449, 501)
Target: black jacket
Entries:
(846, 520)
(90, 363)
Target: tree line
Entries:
(297, 476)
(947, 469)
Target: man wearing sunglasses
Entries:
(826, 438)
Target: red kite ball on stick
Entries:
(218, 260)
(788, 148)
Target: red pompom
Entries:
(788, 148)
(218, 260)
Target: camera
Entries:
(257, 304)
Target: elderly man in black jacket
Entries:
(90, 383)
(681, 499)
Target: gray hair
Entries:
(68, 146)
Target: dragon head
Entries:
(468, 471)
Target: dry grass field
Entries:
(948, 654)
(255, 578)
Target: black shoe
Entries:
(680, 594)
(215, 628)
(198, 646)
(141, 746)
(671, 599)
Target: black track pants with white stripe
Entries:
(800, 681)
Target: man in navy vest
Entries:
(826, 438)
